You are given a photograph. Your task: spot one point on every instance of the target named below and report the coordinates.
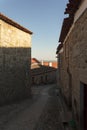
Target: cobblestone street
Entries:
(41, 112)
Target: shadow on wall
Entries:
(15, 74)
(43, 75)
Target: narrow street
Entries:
(41, 112)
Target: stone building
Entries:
(42, 74)
(15, 60)
(72, 55)
(50, 63)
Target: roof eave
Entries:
(11, 22)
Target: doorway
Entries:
(85, 106)
(83, 99)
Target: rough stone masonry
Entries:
(15, 60)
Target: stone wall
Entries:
(78, 56)
(43, 75)
(74, 71)
(15, 60)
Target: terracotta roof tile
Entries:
(67, 22)
(71, 9)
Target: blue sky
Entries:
(43, 17)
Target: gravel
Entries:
(50, 118)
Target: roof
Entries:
(34, 60)
(42, 70)
(11, 22)
(35, 63)
(59, 47)
(67, 22)
(72, 6)
(71, 9)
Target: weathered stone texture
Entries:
(75, 62)
(43, 74)
(78, 54)
(13, 37)
(15, 60)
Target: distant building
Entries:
(15, 60)
(50, 63)
(35, 63)
(42, 74)
(72, 60)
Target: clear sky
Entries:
(43, 17)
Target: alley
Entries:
(41, 112)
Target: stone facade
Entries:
(73, 66)
(50, 63)
(42, 74)
(15, 61)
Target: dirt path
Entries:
(25, 115)
(44, 111)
